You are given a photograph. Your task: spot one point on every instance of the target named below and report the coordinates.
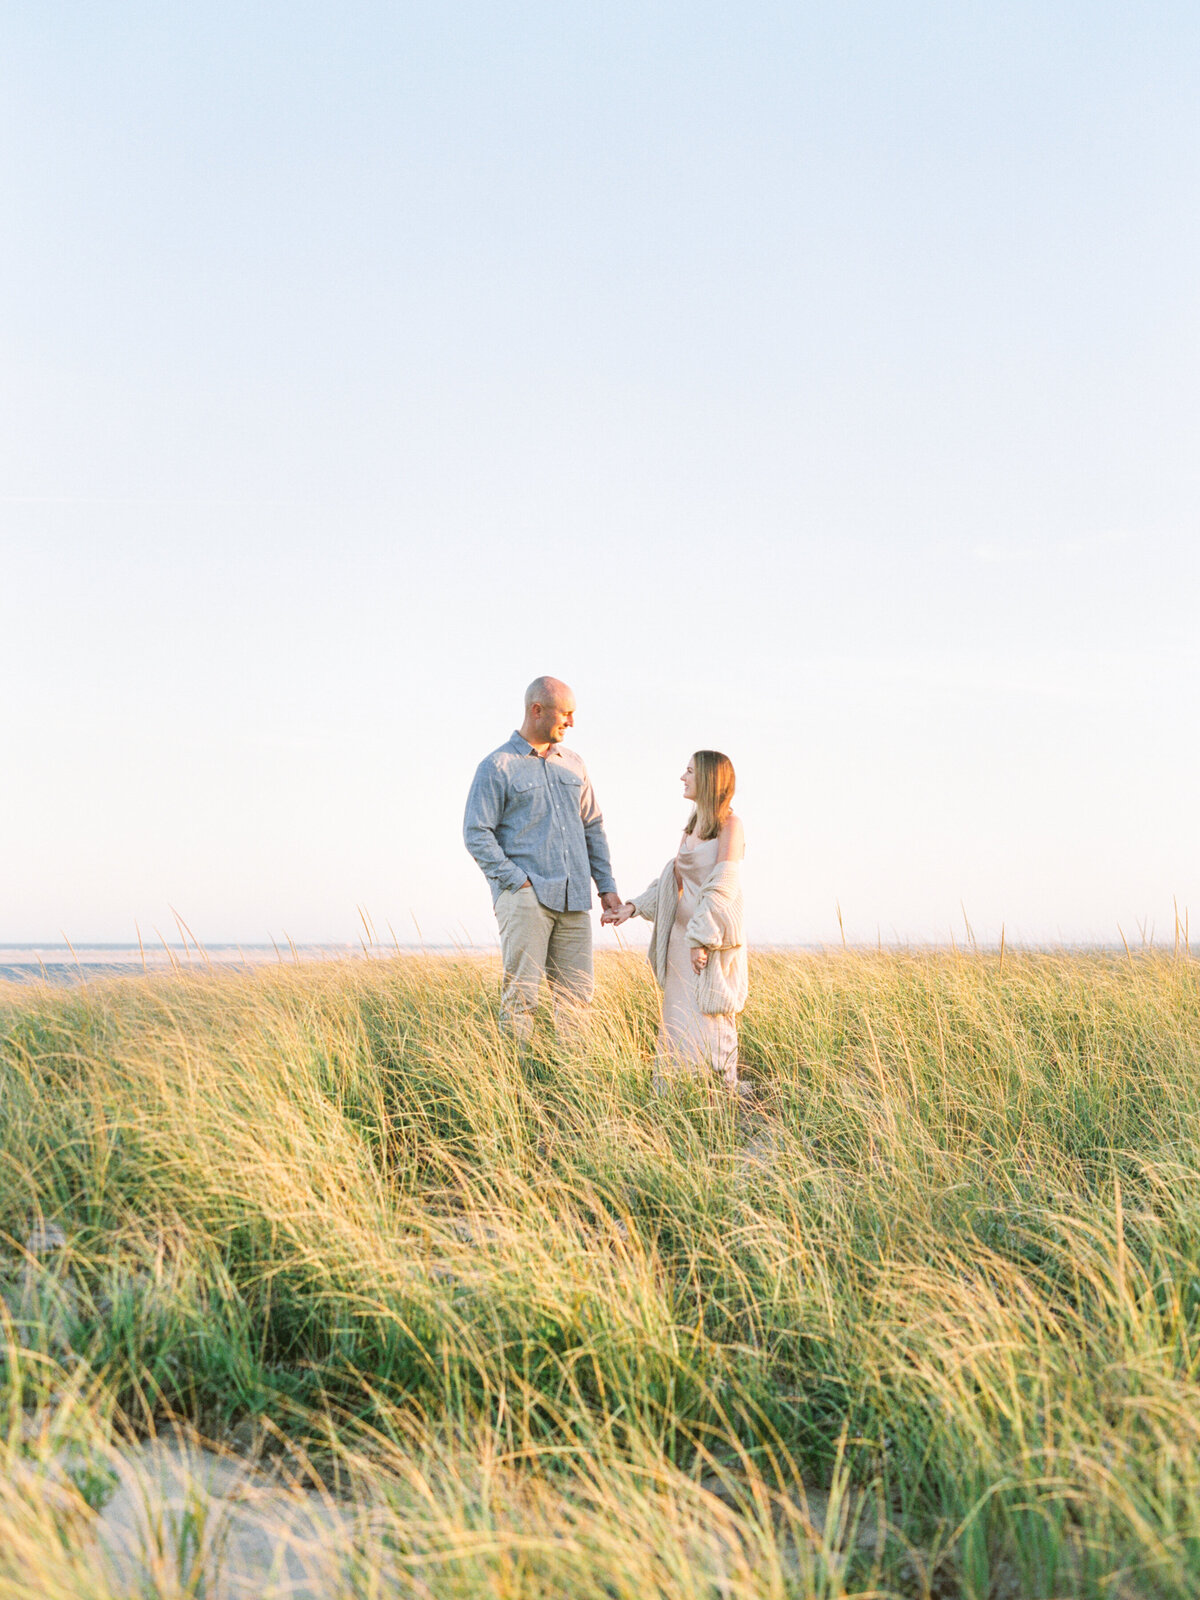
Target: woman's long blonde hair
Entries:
(714, 793)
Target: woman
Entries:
(698, 947)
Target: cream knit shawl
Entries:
(717, 924)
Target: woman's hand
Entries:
(621, 913)
(699, 959)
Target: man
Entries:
(534, 827)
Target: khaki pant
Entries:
(537, 943)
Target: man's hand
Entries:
(699, 958)
(610, 901)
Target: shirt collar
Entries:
(523, 747)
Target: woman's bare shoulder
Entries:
(732, 846)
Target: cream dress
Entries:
(688, 1040)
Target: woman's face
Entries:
(689, 781)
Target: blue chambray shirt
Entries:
(535, 818)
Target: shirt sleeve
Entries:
(597, 844)
(485, 807)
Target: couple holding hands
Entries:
(533, 825)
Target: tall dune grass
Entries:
(921, 1319)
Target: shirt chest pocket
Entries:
(570, 787)
(527, 798)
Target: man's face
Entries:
(552, 721)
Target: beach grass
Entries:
(920, 1318)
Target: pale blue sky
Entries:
(818, 382)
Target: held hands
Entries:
(616, 911)
(699, 959)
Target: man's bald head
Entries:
(549, 712)
(547, 692)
